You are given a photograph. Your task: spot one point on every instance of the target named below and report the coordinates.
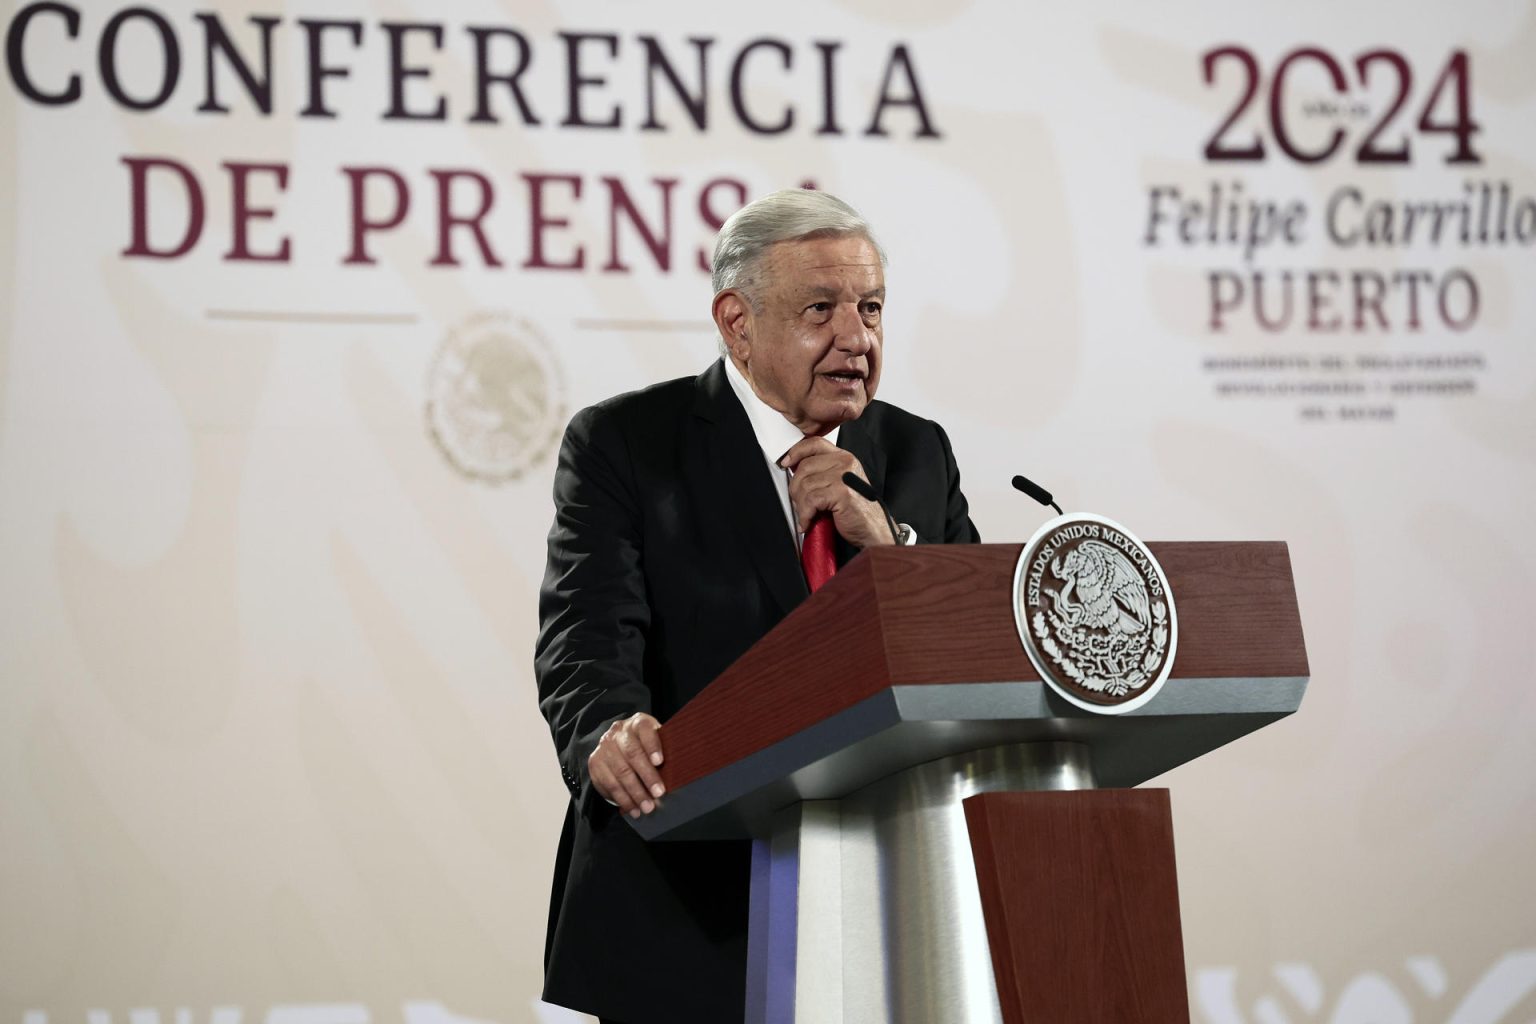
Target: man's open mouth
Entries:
(845, 376)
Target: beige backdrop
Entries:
(270, 533)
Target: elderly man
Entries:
(690, 517)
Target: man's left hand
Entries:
(816, 468)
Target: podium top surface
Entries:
(911, 654)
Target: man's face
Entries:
(812, 347)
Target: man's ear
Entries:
(733, 319)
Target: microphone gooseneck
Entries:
(1034, 490)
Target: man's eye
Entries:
(872, 308)
(819, 307)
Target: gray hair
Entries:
(788, 215)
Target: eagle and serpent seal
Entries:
(1095, 614)
(495, 397)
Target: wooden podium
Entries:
(940, 838)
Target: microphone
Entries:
(1035, 491)
(861, 487)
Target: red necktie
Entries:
(816, 554)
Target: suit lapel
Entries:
(854, 438)
(748, 500)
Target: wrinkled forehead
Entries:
(841, 263)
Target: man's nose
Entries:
(850, 333)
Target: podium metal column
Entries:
(866, 910)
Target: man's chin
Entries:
(833, 414)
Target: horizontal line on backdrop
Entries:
(591, 324)
(298, 317)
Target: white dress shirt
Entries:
(775, 436)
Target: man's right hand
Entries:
(623, 766)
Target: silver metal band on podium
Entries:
(866, 910)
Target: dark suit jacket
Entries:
(670, 556)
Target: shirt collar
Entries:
(775, 434)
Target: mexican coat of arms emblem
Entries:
(1095, 613)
